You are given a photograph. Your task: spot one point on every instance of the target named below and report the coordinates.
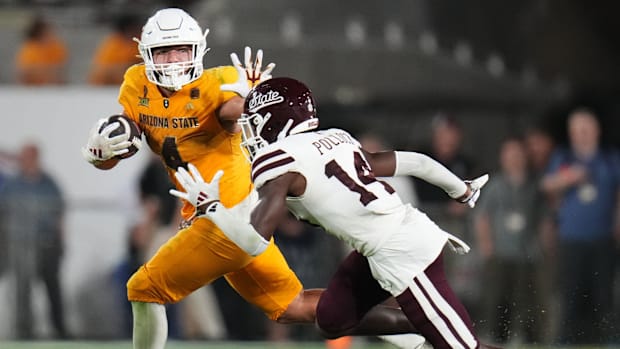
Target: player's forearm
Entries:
(241, 233)
(430, 170)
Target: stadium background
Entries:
(389, 67)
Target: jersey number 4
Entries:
(170, 154)
(364, 174)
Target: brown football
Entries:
(126, 126)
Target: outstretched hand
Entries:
(250, 75)
(474, 187)
(197, 192)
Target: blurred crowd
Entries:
(545, 234)
(43, 55)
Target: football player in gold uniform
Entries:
(189, 115)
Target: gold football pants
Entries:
(201, 253)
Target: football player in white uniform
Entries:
(326, 178)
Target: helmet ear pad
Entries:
(286, 105)
(172, 27)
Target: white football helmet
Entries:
(172, 27)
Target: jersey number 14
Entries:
(364, 174)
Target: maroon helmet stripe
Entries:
(271, 165)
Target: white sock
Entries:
(406, 340)
(150, 326)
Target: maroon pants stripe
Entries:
(415, 312)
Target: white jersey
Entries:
(343, 196)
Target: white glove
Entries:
(475, 185)
(102, 147)
(197, 191)
(205, 197)
(250, 75)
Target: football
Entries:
(126, 126)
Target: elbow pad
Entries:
(426, 168)
(238, 231)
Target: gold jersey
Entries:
(184, 128)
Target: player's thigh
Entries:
(192, 258)
(267, 282)
(350, 294)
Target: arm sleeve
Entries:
(428, 169)
(241, 233)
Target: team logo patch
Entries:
(166, 103)
(259, 100)
(194, 93)
(144, 101)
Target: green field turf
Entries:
(219, 345)
(180, 345)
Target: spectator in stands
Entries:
(539, 146)
(446, 147)
(6, 165)
(42, 57)
(154, 185)
(507, 223)
(32, 209)
(586, 179)
(116, 52)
